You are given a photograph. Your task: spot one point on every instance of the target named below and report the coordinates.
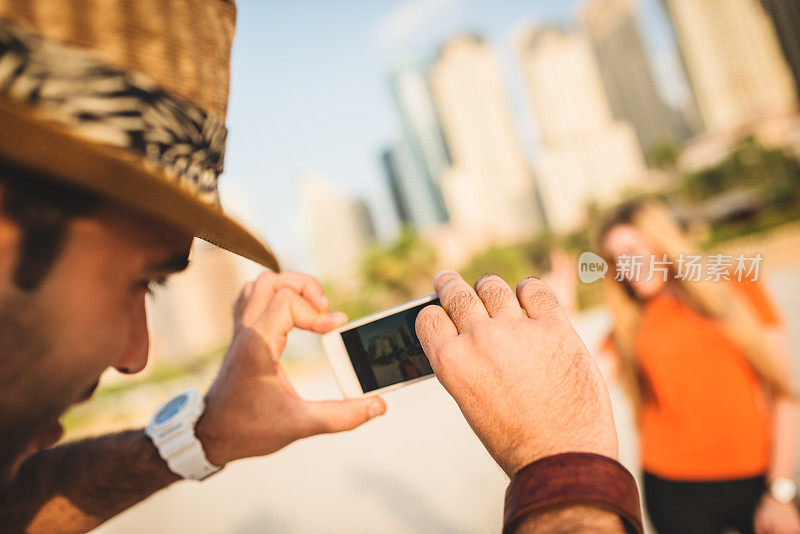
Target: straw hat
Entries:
(126, 98)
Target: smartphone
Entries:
(379, 352)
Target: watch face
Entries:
(171, 409)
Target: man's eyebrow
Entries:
(174, 264)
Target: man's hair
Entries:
(43, 209)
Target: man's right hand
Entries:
(252, 409)
(522, 377)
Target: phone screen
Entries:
(387, 350)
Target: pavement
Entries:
(419, 469)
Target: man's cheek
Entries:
(92, 349)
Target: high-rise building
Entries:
(364, 220)
(395, 161)
(423, 152)
(586, 154)
(489, 190)
(786, 18)
(625, 71)
(733, 60)
(338, 229)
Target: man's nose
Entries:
(134, 355)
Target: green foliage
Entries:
(771, 174)
(513, 262)
(750, 165)
(763, 222)
(357, 302)
(577, 241)
(402, 267)
(391, 274)
(665, 154)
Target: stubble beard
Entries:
(27, 405)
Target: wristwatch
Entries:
(783, 490)
(171, 430)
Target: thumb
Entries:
(340, 415)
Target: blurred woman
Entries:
(706, 366)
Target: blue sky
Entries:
(309, 93)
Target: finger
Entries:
(269, 283)
(497, 297)
(537, 299)
(434, 327)
(567, 265)
(459, 300)
(247, 290)
(289, 310)
(559, 258)
(325, 417)
(241, 301)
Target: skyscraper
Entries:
(422, 155)
(733, 60)
(394, 163)
(489, 190)
(625, 71)
(337, 228)
(786, 18)
(586, 154)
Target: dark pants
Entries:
(702, 507)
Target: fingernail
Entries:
(442, 273)
(375, 409)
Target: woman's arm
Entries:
(771, 515)
(784, 425)
(606, 358)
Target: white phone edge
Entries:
(339, 360)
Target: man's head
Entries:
(74, 274)
(105, 104)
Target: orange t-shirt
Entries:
(707, 417)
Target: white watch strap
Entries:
(188, 461)
(176, 441)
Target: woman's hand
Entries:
(773, 517)
(563, 280)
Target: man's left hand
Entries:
(252, 408)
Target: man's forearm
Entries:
(76, 486)
(571, 520)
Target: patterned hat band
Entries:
(108, 106)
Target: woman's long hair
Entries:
(712, 299)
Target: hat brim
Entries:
(51, 150)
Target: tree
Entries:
(404, 267)
(665, 155)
